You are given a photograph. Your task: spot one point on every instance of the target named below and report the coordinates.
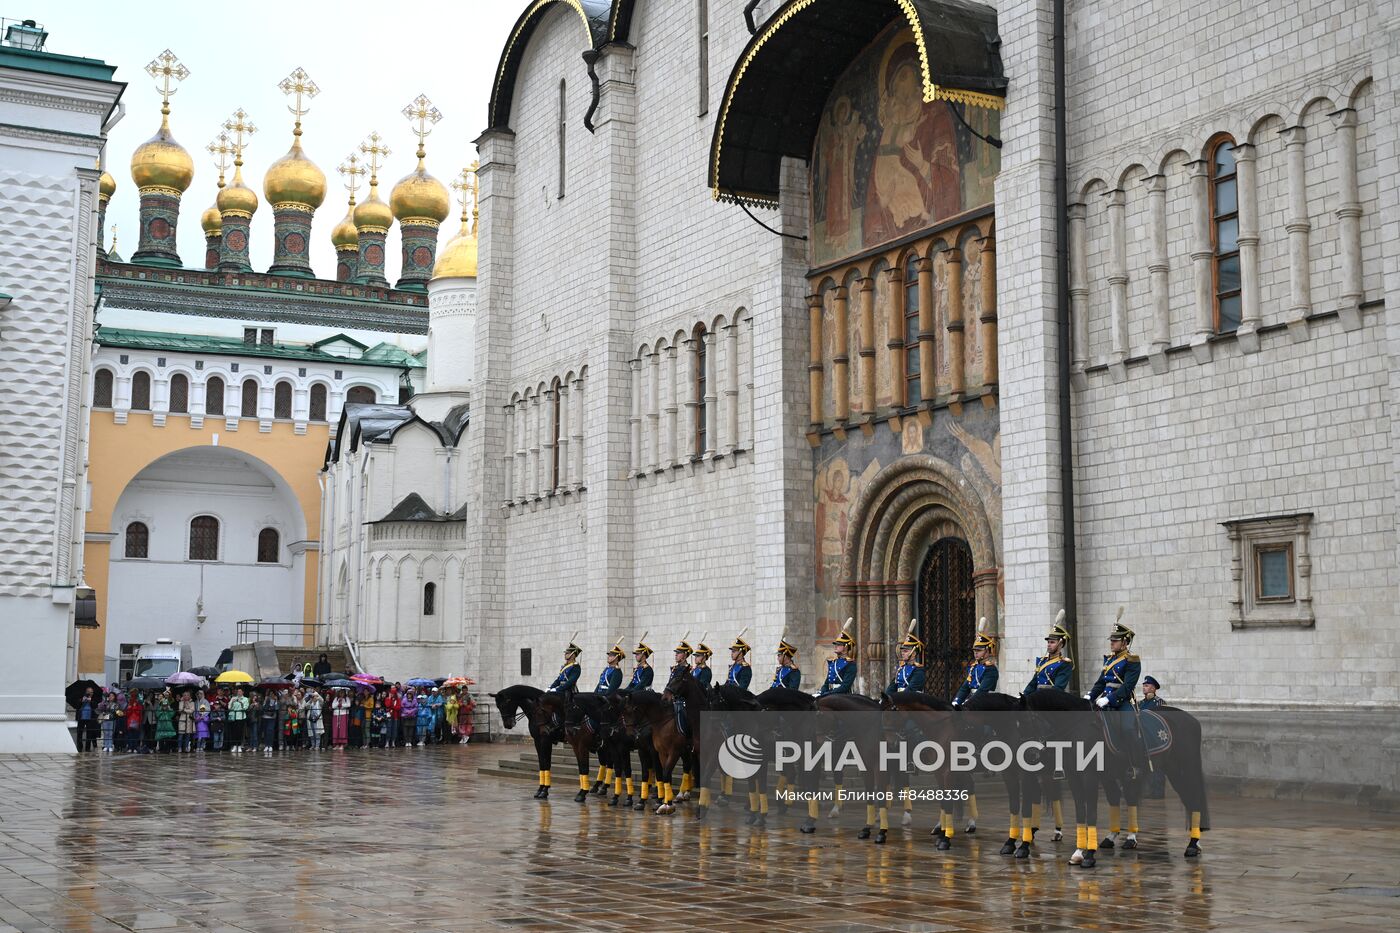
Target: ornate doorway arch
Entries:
(912, 504)
(945, 603)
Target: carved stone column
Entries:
(1248, 239)
(957, 376)
(1118, 275)
(894, 335)
(928, 334)
(990, 361)
(711, 392)
(841, 359)
(1353, 292)
(672, 405)
(653, 446)
(1202, 257)
(1079, 285)
(1158, 267)
(561, 482)
(867, 347)
(578, 476)
(1299, 226)
(815, 382)
(731, 387)
(635, 422)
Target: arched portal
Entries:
(945, 603)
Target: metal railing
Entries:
(283, 634)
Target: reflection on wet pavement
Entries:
(417, 840)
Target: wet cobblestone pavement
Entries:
(417, 840)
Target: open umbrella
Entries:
(367, 678)
(145, 683)
(233, 677)
(459, 682)
(421, 682)
(311, 682)
(208, 673)
(73, 693)
(186, 679)
(341, 683)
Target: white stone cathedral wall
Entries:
(547, 566)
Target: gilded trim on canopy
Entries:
(520, 27)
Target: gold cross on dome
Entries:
(298, 83)
(467, 184)
(165, 68)
(221, 148)
(240, 126)
(374, 147)
(352, 170)
(422, 111)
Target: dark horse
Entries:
(1025, 787)
(646, 712)
(867, 743)
(546, 715)
(1180, 760)
(946, 728)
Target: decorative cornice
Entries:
(54, 101)
(49, 136)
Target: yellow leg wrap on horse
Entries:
(670, 792)
(1115, 819)
(972, 807)
(685, 783)
(610, 776)
(646, 790)
(909, 801)
(1132, 819)
(1081, 836)
(753, 801)
(885, 818)
(763, 804)
(617, 786)
(583, 782)
(813, 809)
(1027, 833)
(660, 794)
(1195, 824)
(870, 814)
(782, 783)
(1015, 831)
(728, 785)
(1059, 814)
(631, 788)
(1092, 841)
(1035, 815)
(544, 778)
(704, 796)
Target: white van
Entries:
(161, 659)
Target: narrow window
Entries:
(1273, 573)
(204, 538)
(701, 355)
(267, 336)
(102, 389)
(563, 126)
(269, 546)
(1225, 231)
(911, 332)
(429, 598)
(525, 662)
(250, 336)
(702, 51)
(554, 433)
(282, 401)
(250, 399)
(214, 396)
(180, 394)
(318, 402)
(138, 540)
(360, 394)
(141, 391)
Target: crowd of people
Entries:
(271, 718)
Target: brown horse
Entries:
(646, 712)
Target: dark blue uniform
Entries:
(1050, 672)
(789, 677)
(641, 679)
(840, 676)
(609, 682)
(981, 678)
(910, 676)
(703, 675)
(740, 674)
(1152, 703)
(567, 679)
(1118, 680)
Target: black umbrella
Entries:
(145, 683)
(208, 673)
(310, 682)
(74, 692)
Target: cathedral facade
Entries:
(794, 312)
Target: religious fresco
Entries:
(885, 164)
(970, 442)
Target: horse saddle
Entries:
(1156, 734)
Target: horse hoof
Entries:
(864, 833)
(1059, 834)
(581, 796)
(880, 837)
(943, 844)
(1077, 858)
(1089, 860)
(721, 801)
(936, 831)
(809, 825)
(1107, 842)
(598, 788)
(682, 797)
(1130, 842)
(761, 822)
(666, 809)
(1193, 848)
(1008, 847)
(614, 801)
(544, 793)
(833, 813)
(701, 813)
(1023, 850)
(640, 806)
(907, 819)
(539, 792)
(752, 818)
(971, 829)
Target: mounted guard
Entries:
(787, 674)
(1054, 670)
(840, 668)
(1114, 691)
(910, 674)
(740, 674)
(982, 672)
(566, 681)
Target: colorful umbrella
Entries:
(343, 684)
(233, 677)
(421, 682)
(459, 682)
(367, 678)
(185, 679)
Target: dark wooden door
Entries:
(947, 610)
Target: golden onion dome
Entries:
(161, 162)
(237, 197)
(212, 221)
(345, 235)
(373, 212)
(295, 179)
(458, 258)
(106, 185)
(420, 196)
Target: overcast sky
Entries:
(368, 59)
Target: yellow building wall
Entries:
(118, 452)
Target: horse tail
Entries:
(1193, 771)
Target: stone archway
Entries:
(910, 505)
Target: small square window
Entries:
(233, 367)
(1273, 580)
(250, 336)
(160, 362)
(301, 371)
(267, 337)
(267, 370)
(338, 373)
(124, 359)
(198, 364)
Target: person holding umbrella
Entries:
(135, 714)
(85, 711)
(340, 718)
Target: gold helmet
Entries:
(683, 647)
(1058, 630)
(786, 647)
(703, 650)
(740, 645)
(573, 650)
(845, 637)
(1120, 630)
(616, 652)
(912, 640)
(642, 647)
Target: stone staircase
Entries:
(563, 773)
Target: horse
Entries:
(913, 701)
(544, 715)
(646, 711)
(1025, 789)
(586, 728)
(1180, 759)
(867, 745)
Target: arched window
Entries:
(204, 538)
(1225, 232)
(282, 401)
(318, 402)
(429, 598)
(702, 52)
(269, 546)
(250, 398)
(102, 389)
(138, 540)
(701, 355)
(911, 331)
(554, 434)
(180, 394)
(214, 396)
(563, 128)
(360, 394)
(141, 391)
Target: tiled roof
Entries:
(382, 355)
